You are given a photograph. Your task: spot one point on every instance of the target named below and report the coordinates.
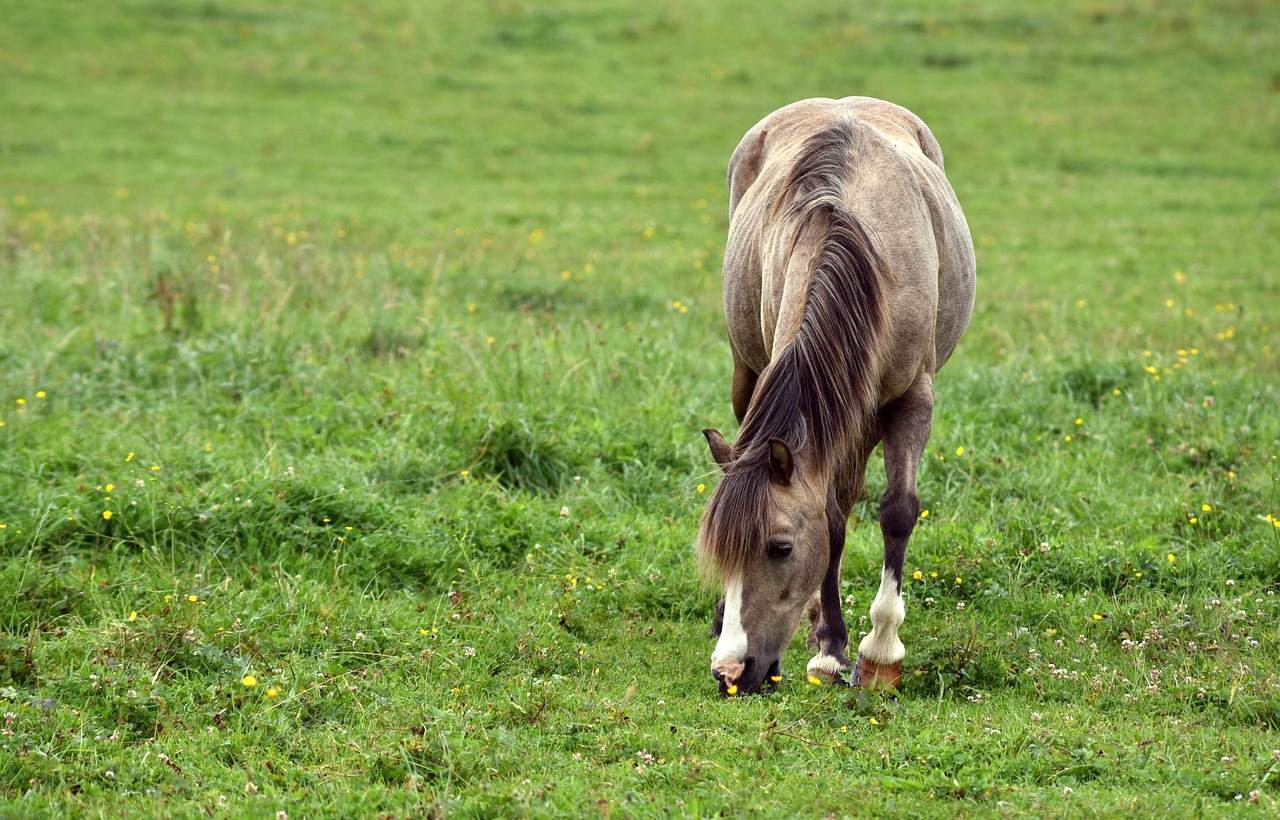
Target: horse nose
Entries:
(732, 674)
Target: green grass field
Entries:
(353, 359)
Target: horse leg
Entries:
(744, 385)
(904, 428)
(830, 636)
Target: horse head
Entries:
(766, 536)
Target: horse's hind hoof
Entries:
(871, 675)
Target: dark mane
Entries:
(819, 394)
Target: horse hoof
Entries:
(828, 669)
(871, 675)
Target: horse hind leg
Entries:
(904, 427)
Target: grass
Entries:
(385, 334)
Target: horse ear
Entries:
(781, 463)
(720, 449)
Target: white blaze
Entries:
(731, 649)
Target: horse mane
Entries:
(819, 393)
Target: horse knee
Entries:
(898, 514)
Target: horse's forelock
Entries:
(736, 519)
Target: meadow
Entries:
(353, 362)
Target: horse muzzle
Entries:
(745, 677)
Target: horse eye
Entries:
(778, 550)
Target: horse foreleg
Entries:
(830, 636)
(744, 386)
(904, 428)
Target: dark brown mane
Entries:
(819, 394)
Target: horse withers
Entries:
(848, 280)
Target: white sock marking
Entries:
(882, 645)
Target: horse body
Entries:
(848, 281)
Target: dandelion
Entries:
(1173, 559)
(776, 678)
(959, 580)
(918, 575)
(702, 488)
(133, 615)
(1097, 617)
(1206, 508)
(193, 598)
(732, 690)
(272, 691)
(815, 681)
(874, 722)
(249, 681)
(924, 513)
(1079, 421)
(128, 458)
(110, 487)
(959, 451)
(39, 394)
(537, 235)
(155, 468)
(106, 515)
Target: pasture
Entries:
(353, 362)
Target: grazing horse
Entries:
(848, 280)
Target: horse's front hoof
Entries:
(828, 669)
(871, 675)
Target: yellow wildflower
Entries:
(249, 681)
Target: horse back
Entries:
(895, 186)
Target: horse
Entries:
(848, 280)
